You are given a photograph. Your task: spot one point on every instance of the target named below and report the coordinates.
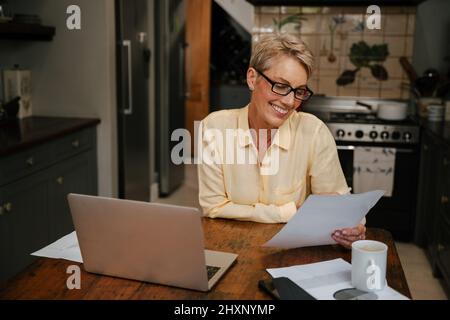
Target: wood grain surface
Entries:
(46, 278)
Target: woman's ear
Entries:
(251, 78)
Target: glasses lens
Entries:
(302, 94)
(281, 88)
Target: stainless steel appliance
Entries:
(354, 126)
(361, 127)
(133, 65)
(170, 22)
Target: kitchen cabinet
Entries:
(34, 184)
(428, 198)
(23, 222)
(334, 2)
(74, 176)
(433, 219)
(443, 221)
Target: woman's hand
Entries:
(345, 237)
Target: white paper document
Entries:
(323, 279)
(320, 215)
(65, 248)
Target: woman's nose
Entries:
(289, 100)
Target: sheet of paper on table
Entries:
(65, 248)
(323, 279)
(320, 215)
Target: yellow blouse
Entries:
(301, 160)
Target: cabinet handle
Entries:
(30, 161)
(76, 143)
(7, 207)
(60, 180)
(444, 199)
(440, 247)
(425, 147)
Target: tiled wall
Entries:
(331, 32)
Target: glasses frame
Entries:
(273, 83)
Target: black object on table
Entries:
(283, 288)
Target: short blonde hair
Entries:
(274, 44)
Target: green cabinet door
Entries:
(443, 243)
(33, 198)
(428, 185)
(76, 175)
(23, 223)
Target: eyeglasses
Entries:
(302, 93)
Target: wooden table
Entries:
(46, 278)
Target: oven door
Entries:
(396, 213)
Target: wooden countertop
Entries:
(20, 134)
(46, 278)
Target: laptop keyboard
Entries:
(211, 271)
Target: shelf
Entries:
(334, 2)
(26, 31)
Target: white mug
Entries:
(369, 260)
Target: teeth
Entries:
(279, 109)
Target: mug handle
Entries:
(374, 280)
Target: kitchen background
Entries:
(342, 43)
(84, 74)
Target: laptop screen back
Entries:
(139, 240)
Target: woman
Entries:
(298, 143)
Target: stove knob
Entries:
(407, 136)
(359, 134)
(395, 135)
(384, 135)
(340, 133)
(373, 134)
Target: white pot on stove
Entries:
(395, 111)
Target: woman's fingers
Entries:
(343, 242)
(362, 228)
(355, 233)
(347, 236)
(353, 238)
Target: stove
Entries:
(365, 127)
(353, 126)
(352, 130)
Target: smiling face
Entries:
(267, 109)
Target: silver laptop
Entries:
(144, 241)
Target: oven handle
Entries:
(396, 149)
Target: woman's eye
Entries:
(281, 87)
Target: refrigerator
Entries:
(170, 30)
(133, 73)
